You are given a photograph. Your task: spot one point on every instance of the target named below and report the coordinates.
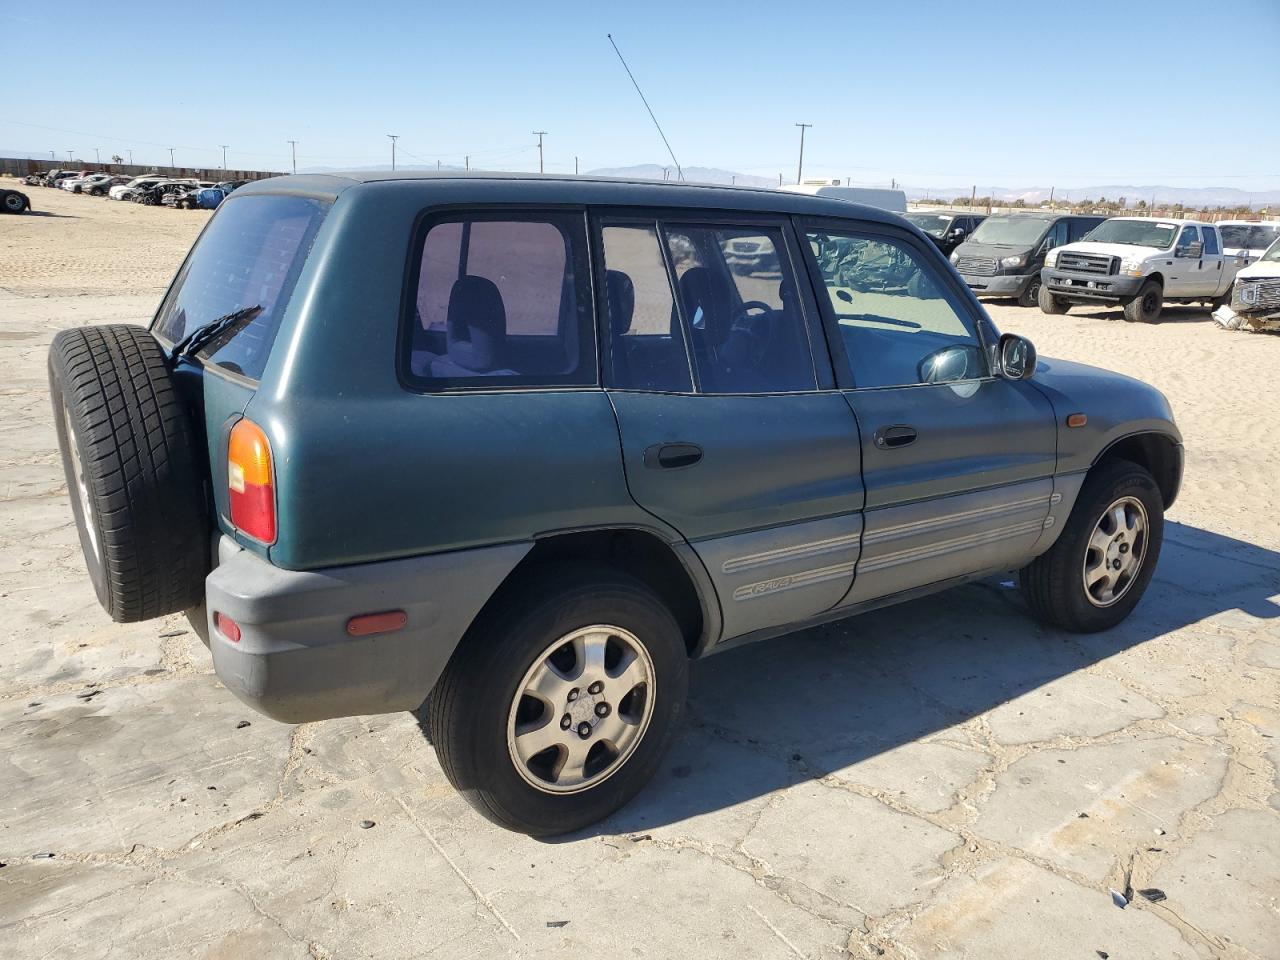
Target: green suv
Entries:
(510, 451)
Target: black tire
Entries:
(1053, 584)
(1146, 306)
(1049, 303)
(96, 192)
(118, 416)
(467, 714)
(1222, 301)
(1030, 297)
(11, 201)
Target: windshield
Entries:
(250, 254)
(1134, 233)
(1011, 231)
(1248, 236)
(934, 224)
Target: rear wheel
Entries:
(1049, 303)
(1145, 307)
(134, 468)
(13, 202)
(1097, 571)
(561, 701)
(1030, 297)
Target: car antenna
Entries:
(679, 171)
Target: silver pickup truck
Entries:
(1140, 263)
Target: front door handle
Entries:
(896, 436)
(672, 456)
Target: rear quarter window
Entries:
(250, 255)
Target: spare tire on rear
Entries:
(135, 470)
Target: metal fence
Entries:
(22, 167)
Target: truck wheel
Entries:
(561, 701)
(1145, 307)
(12, 202)
(135, 471)
(1049, 303)
(1222, 301)
(1098, 569)
(1030, 297)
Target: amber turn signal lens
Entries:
(250, 482)
(1077, 420)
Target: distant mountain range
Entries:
(1031, 196)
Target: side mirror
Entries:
(950, 364)
(1017, 357)
(1192, 251)
(957, 233)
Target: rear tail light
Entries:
(250, 482)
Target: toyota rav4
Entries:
(510, 451)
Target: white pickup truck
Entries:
(1139, 263)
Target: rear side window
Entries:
(499, 301)
(1210, 240)
(250, 255)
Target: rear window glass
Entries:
(250, 255)
(501, 301)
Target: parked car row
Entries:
(150, 189)
(1056, 261)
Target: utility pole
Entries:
(97, 157)
(733, 181)
(293, 146)
(52, 156)
(171, 149)
(800, 167)
(1051, 189)
(68, 156)
(131, 158)
(466, 162)
(437, 166)
(575, 171)
(224, 156)
(973, 197)
(394, 137)
(779, 179)
(540, 134)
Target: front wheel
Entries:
(1097, 571)
(1030, 297)
(1145, 307)
(561, 701)
(1049, 303)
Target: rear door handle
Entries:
(672, 456)
(896, 436)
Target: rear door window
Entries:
(1210, 240)
(250, 255)
(737, 297)
(501, 300)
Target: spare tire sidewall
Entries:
(87, 526)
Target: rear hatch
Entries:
(249, 256)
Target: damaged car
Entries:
(1255, 298)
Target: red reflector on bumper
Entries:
(370, 623)
(227, 627)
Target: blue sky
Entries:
(1014, 94)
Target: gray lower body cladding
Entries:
(295, 660)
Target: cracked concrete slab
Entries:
(1077, 705)
(1011, 908)
(1085, 808)
(1226, 883)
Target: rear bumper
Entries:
(1010, 285)
(1076, 286)
(295, 660)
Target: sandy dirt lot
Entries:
(945, 779)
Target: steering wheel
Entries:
(752, 343)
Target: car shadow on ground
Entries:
(771, 715)
(1169, 314)
(50, 213)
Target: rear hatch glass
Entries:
(250, 255)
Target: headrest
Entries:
(701, 290)
(621, 293)
(477, 324)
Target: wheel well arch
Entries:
(1157, 453)
(1157, 277)
(639, 553)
